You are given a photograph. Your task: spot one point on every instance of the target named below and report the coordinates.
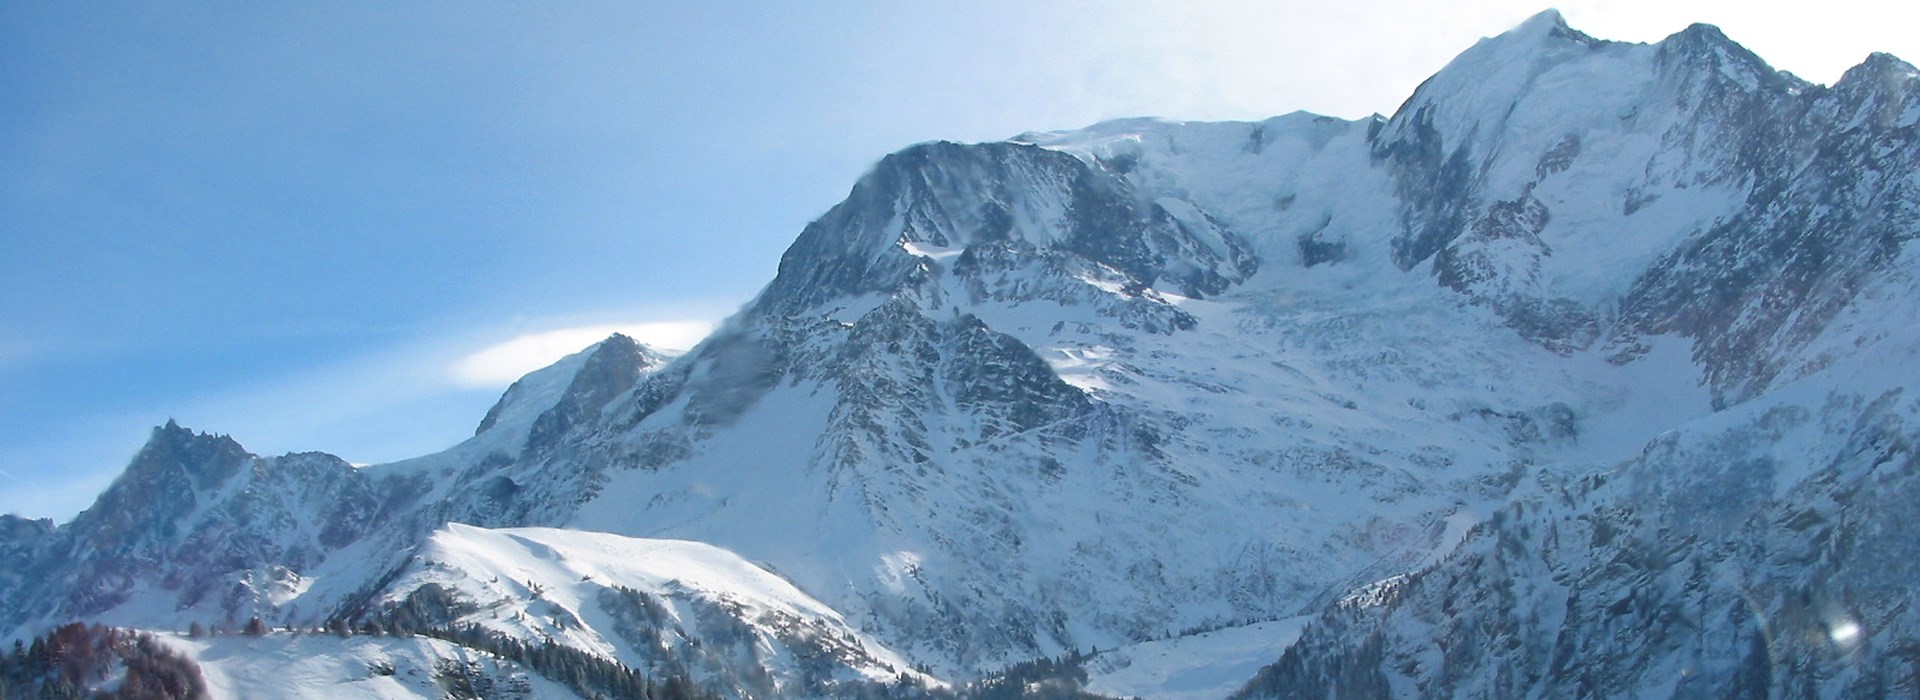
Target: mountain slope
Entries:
(197, 528)
(1760, 548)
(1628, 325)
(673, 608)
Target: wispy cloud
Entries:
(385, 404)
(500, 364)
(411, 400)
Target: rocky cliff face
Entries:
(1832, 202)
(1586, 372)
(199, 529)
(198, 524)
(1756, 553)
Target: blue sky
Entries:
(344, 226)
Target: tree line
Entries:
(76, 660)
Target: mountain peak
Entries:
(15, 528)
(1707, 51)
(1546, 22)
(1544, 31)
(592, 375)
(1704, 32)
(1497, 70)
(613, 367)
(619, 339)
(171, 475)
(1880, 67)
(942, 207)
(205, 455)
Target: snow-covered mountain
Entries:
(1584, 373)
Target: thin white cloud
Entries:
(500, 364)
(384, 405)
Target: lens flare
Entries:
(1844, 632)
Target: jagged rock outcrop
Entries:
(197, 523)
(1710, 566)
